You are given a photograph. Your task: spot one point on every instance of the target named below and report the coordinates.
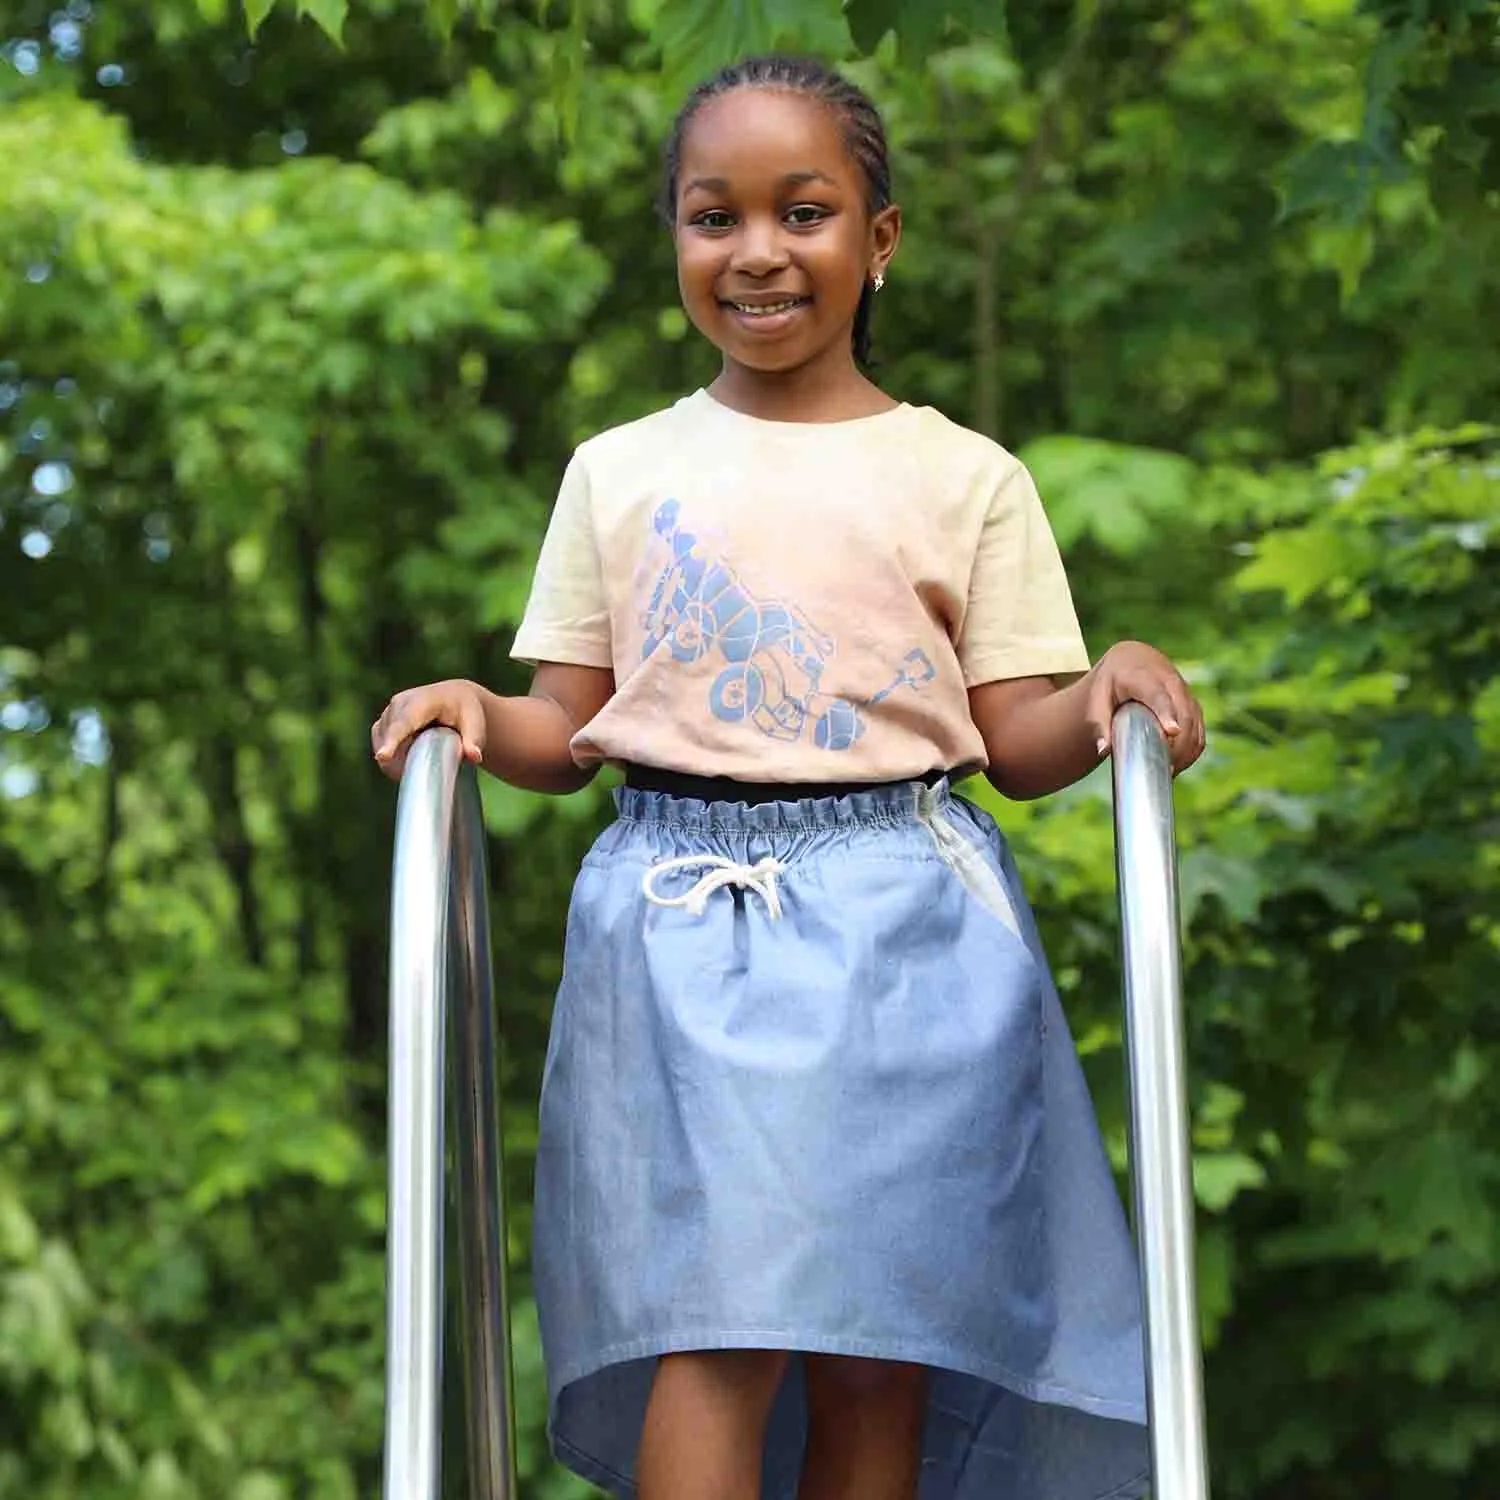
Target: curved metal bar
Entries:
(440, 970)
(1160, 1150)
(479, 1196)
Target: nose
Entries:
(760, 248)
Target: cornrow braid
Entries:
(864, 135)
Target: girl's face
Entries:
(774, 241)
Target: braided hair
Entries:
(864, 136)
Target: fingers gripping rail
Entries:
(441, 991)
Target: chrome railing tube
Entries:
(1160, 1148)
(484, 1306)
(441, 991)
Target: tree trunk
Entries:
(218, 760)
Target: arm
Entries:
(524, 741)
(527, 739)
(1040, 738)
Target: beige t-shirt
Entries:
(797, 602)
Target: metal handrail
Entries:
(1160, 1149)
(440, 930)
(441, 990)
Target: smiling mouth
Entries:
(766, 309)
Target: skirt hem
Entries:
(604, 1477)
(913, 1351)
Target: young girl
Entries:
(821, 1207)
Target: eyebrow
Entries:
(791, 179)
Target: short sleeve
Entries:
(567, 615)
(1020, 620)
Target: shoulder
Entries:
(956, 456)
(624, 447)
(951, 442)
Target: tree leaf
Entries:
(256, 12)
(1113, 492)
(871, 21)
(1216, 1267)
(1220, 1176)
(19, 1240)
(697, 37)
(329, 14)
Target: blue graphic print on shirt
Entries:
(774, 656)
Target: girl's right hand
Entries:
(456, 703)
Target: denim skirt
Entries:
(809, 1087)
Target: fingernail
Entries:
(1101, 746)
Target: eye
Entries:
(805, 214)
(713, 218)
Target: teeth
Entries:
(766, 311)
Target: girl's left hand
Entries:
(1133, 672)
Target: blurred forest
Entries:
(295, 337)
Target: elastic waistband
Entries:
(800, 807)
(755, 793)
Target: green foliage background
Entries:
(295, 336)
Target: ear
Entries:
(885, 235)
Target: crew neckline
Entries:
(706, 397)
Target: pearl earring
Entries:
(879, 280)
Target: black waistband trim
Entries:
(756, 793)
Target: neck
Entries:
(823, 390)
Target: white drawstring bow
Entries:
(759, 877)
